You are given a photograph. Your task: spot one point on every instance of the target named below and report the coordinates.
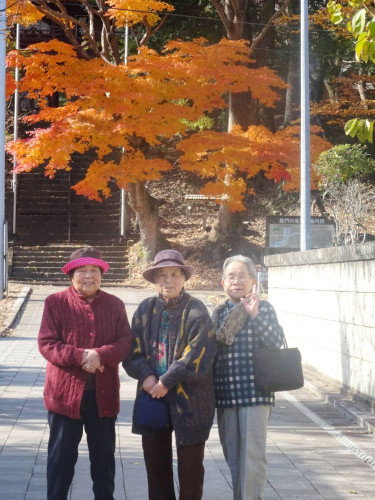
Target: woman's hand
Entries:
(251, 302)
(158, 391)
(90, 361)
(149, 382)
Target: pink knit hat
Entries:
(84, 257)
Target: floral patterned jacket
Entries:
(189, 377)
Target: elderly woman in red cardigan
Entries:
(84, 335)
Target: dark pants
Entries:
(157, 449)
(65, 436)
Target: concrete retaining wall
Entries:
(325, 300)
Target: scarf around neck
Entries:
(169, 303)
(232, 323)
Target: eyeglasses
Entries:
(241, 278)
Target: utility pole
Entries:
(122, 198)
(15, 134)
(305, 240)
(2, 143)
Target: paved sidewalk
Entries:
(314, 451)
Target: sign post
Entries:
(283, 233)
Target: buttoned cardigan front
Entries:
(71, 324)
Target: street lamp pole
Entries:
(122, 198)
(305, 240)
(2, 143)
(15, 134)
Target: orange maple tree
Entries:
(126, 112)
(109, 107)
(226, 155)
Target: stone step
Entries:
(44, 263)
(40, 255)
(56, 280)
(22, 264)
(40, 214)
(35, 273)
(68, 247)
(49, 211)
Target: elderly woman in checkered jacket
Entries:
(243, 323)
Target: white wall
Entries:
(325, 300)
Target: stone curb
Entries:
(13, 313)
(359, 415)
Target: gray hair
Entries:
(244, 260)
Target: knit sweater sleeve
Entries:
(138, 364)
(197, 344)
(112, 353)
(50, 342)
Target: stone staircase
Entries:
(49, 211)
(42, 264)
(52, 221)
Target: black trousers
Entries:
(65, 436)
(157, 450)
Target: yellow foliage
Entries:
(10, 85)
(238, 155)
(132, 12)
(22, 12)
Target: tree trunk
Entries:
(147, 209)
(242, 110)
(289, 111)
(227, 226)
(292, 96)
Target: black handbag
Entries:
(151, 413)
(278, 369)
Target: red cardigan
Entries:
(71, 324)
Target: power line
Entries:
(215, 19)
(11, 5)
(202, 18)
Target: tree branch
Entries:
(269, 25)
(149, 31)
(222, 14)
(61, 18)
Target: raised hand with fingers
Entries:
(251, 302)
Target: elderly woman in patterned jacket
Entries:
(243, 323)
(172, 358)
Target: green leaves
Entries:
(351, 127)
(361, 48)
(362, 27)
(362, 129)
(344, 162)
(334, 11)
(359, 21)
(371, 27)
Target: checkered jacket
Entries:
(234, 371)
